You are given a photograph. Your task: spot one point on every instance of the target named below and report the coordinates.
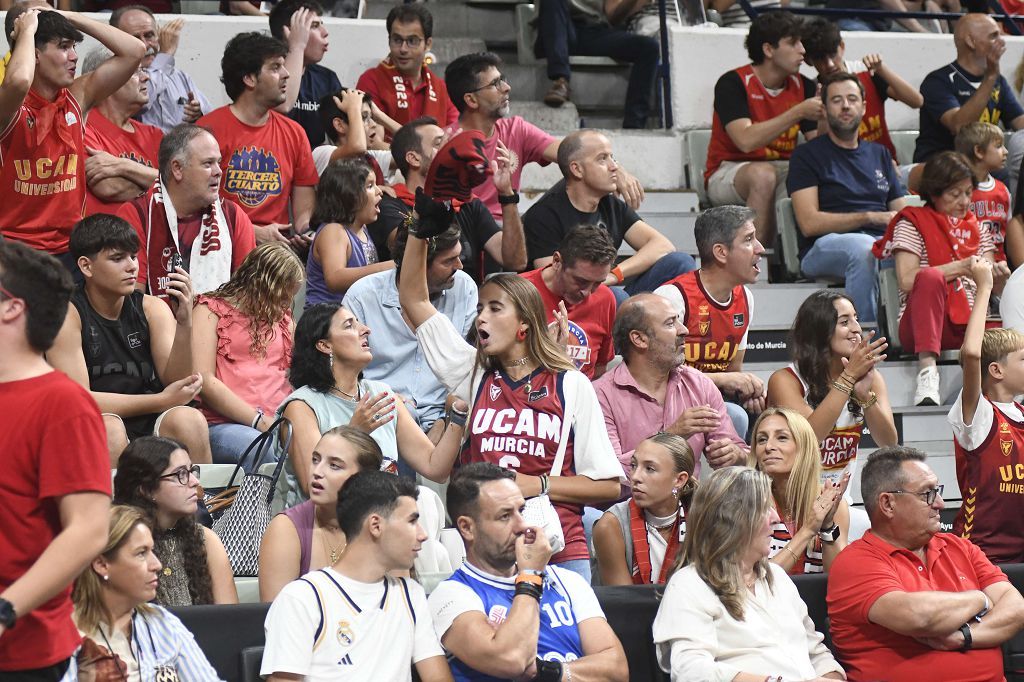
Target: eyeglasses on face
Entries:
(183, 473)
(496, 84)
(411, 41)
(927, 495)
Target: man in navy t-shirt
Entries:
(845, 191)
(967, 90)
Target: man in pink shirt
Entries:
(653, 390)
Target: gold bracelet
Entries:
(870, 402)
(791, 553)
(847, 378)
(842, 388)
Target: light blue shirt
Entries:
(167, 84)
(398, 358)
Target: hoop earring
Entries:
(521, 335)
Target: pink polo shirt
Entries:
(632, 415)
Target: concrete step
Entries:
(775, 305)
(446, 49)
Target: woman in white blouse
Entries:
(728, 614)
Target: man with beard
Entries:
(653, 390)
(398, 358)
(845, 191)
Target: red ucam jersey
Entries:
(142, 145)
(762, 105)
(873, 127)
(990, 204)
(715, 331)
(991, 479)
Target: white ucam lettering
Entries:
(482, 420)
(549, 427)
(524, 427)
(503, 421)
(521, 446)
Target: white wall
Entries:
(700, 55)
(355, 45)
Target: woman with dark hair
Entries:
(833, 383)
(331, 349)
(307, 537)
(156, 475)
(934, 246)
(124, 637)
(636, 541)
(347, 200)
(242, 344)
(727, 612)
(814, 519)
(529, 402)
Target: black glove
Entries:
(432, 216)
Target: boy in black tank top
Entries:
(129, 349)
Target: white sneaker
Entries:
(927, 387)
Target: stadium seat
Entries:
(252, 658)
(904, 141)
(785, 224)
(889, 309)
(697, 142)
(217, 475)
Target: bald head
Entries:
(974, 34)
(575, 146)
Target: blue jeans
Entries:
(855, 25)
(229, 441)
(740, 418)
(849, 256)
(579, 566)
(669, 266)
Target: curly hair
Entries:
(309, 366)
(260, 289)
(811, 341)
(244, 55)
(137, 479)
(340, 194)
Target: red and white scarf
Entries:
(396, 99)
(641, 568)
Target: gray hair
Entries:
(96, 57)
(884, 471)
(174, 146)
(719, 225)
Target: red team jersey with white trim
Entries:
(714, 331)
(42, 182)
(520, 430)
(990, 204)
(872, 126)
(991, 479)
(141, 146)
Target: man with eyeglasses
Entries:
(402, 85)
(907, 599)
(56, 489)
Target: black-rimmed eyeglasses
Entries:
(183, 473)
(496, 84)
(927, 495)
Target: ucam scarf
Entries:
(398, 91)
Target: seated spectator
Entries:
(834, 383)
(174, 97)
(532, 411)
(982, 145)
(242, 343)
(506, 559)
(132, 351)
(402, 85)
(265, 159)
(56, 490)
(728, 613)
(573, 292)
(112, 609)
(891, 617)
(969, 89)
(413, 149)
(636, 541)
(43, 109)
(122, 152)
(183, 216)
(813, 518)
(585, 196)
(576, 28)
(934, 246)
(347, 117)
(716, 307)
(845, 191)
(398, 359)
(250, 8)
(342, 252)
(157, 476)
(758, 111)
(653, 390)
(824, 50)
(640, 16)
(987, 425)
(299, 23)
(383, 626)
(307, 537)
(734, 15)
(331, 350)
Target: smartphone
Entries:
(176, 262)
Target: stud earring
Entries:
(521, 334)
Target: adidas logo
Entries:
(346, 660)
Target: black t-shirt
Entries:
(731, 100)
(475, 221)
(553, 216)
(317, 82)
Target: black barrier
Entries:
(223, 632)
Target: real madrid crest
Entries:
(345, 634)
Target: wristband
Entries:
(617, 272)
(509, 199)
(528, 589)
(965, 630)
(457, 418)
(529, 579)
(545, 485)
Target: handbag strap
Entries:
(568, 417)
(280, 424)
(255, 450)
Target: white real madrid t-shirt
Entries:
(328, 627)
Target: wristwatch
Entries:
(548, 671)
(7, 614)
(830, 535)
(506, 199)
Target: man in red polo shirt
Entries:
(906, 599)
(576, 278)
(759, 110)
(402, 85)
(42, 114)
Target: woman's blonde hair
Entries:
(87, 594)
(261, 290)
(682, 460)
(804, 482)
(728, 512)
